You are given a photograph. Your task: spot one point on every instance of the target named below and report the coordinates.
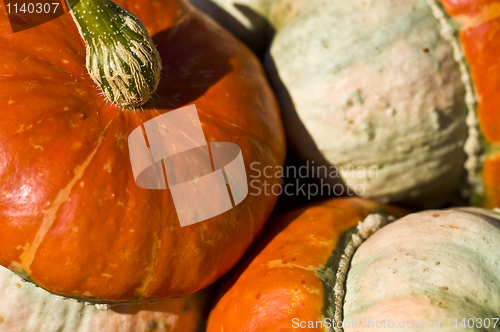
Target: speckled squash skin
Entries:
(367, 83)
(436, 264)
(73, 219)
(432, 265)
(27, 308)
(278, 280)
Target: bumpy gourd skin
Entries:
(380, 89)
(368, 83)
(428, 266)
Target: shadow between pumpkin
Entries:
(247, 35)
(186, 57)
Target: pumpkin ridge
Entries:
(340, 258)
(327, 273)
(28, 255)
(472, 147)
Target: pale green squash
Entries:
(363, 85)
(27, 308)
(428, 266)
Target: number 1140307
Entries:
(31, 8)
(473, 323)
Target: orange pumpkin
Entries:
(73, 219)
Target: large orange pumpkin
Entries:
(73, 220)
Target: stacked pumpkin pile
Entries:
(408, 86)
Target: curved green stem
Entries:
(121, 57)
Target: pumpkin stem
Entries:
(121, 57)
